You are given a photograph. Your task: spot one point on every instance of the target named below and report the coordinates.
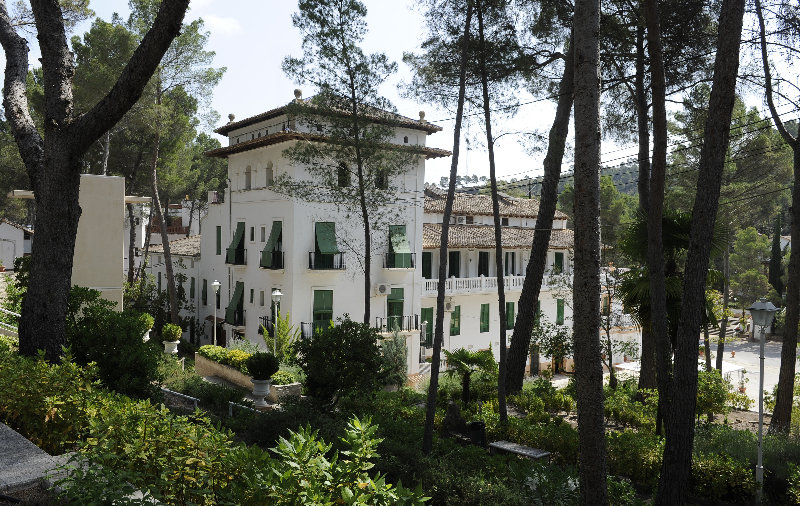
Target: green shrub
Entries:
(635, 455)
(8, 343)
(739, 400)
(171, 332)
(721, 477)
(622, 405)
(712, 393)
(794, 484)
(235, 358)
(283, 378)
(262, 365)
(97, 333)
(394, 368)
(147, 321)
(340, 360)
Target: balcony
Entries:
(239, 318)
(267, 323)
(236, 256)
(405, 323)
(399, 260)
(277, 261)
(326, 262)
(474, 285)
(308, 329)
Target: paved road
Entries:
(747, 357)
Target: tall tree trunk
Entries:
(42, 325)
(146, 250)
(131, 243)
(586, 286)
(647, 371)
(655, 239)
(498, 243)
(707, 344)
(781, 416)
(726, 277)
(438, 335)
(172, 293)
(192, 206)
(537, 263)
(106, 151)
(674, 479)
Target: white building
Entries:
(15, 242)
(471, 287)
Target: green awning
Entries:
(274, 235)
(238, 237)
(236, 300)
(398, 239)
(326, 238)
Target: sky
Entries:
(251, 38)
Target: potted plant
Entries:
(262, 365)
(733, 354)
(742, 380)
(147, 322)
(171, 334)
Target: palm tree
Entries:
(463, 363)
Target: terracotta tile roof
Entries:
(482, 237)
(17, 225)
(380, 115)
(467, 204)
(188, 246)
(279, 137)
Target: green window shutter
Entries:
(559, 312)
(235, 304)
(399, 246)
(483, 263)
(238, 238)
(191, 289)
(606, 305)
(558, 266)
(484, 317)
(323, 307)
(454, 264)
(219, 240)
(159, 281)
(427, 316)
(274, 237)
(326, 238)
(394, 307)
(427, 271)
(455, 321)
(510, 316)
(204, 293)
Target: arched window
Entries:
(270, 174)
(247, 178)
(405, 139)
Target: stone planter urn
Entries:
(146, 336)
(260, 390)
(171, 347)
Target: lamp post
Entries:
(762, 312)
(276, 313)
(215, 285)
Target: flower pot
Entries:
(260, 390)
(733, 354)
(171, 347)
(742, 389)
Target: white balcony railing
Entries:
(475, 285)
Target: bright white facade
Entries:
(15, 242)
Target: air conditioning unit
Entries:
(461, 220)
(449, 306)
(383, 289)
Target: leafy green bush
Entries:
(262, 365)
(794, 484)
(622, 405)
(235, 358)
(147, 320)
(554, 400)
(721, 477)
(712, 393)
(340, 360)
(394, 368)
(739, 400)
(171, 332)
(97, 333)
(8, 343)
(283, 378)
(635, 455)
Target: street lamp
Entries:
(215, 285)
(762, 312)
(276, 313)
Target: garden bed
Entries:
(206, 367)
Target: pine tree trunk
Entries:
(643, 128)
(433, 388)
(781, 416)
(655, 239)
(498, 243)
(586, 286)
(680, 425)
(131, 243)
(707, 344)
(723, 329)
(534, 271)
(42, 325)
